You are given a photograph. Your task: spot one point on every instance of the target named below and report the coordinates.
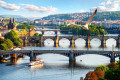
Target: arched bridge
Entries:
(69, 53)
(56, 39)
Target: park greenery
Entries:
(77, 30)
(102, 72)
(5, 44)
(13, 36)
(37, 34)
(25, 26)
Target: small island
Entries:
(77, 30)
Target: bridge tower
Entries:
(112, 57)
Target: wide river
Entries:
(56, 67)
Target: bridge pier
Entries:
(112, 57)
(56, 44)
(41, 43)
(118, 42)
(72, 43)
(72, 58)
(103, 42)
(88, 42)
(32, 56)
(13, 58)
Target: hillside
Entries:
(100, 16)
(18, 18)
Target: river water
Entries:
(56, 66)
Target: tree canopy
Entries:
(25, 26)
(77, 30)
(13, 36)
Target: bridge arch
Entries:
(49, 33)
(95, 42)
(106, 55)
(111, 42)
(64, 42)
(63, 54)
(49, 42)
(80, 42)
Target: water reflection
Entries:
(64, 43)
(95, 43)
(49, 43)
(80, 43)
(111, 42)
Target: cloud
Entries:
(42, 9)
(109, 5)
(9, 6)
(82, 11)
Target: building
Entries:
(32, 32)
(22, 32)
(1, 36)
(11, 24)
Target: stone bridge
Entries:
(41, 39)
(72, 54)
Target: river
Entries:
(56, 66)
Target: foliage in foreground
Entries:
(13, 36)
(104, 73)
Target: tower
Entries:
(11, 24)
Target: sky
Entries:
(41, 8)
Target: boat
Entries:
(3, 61)
(36, 62)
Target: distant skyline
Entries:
(41, 8)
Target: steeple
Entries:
(10, 20)
(13, 20)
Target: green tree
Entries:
(40, 34)
(3, 46)
(1, 40)
(25, 26)
(17, 43)
(36, 34)
(9, 43)
(101, 68)
(13, 36)
(113, 74)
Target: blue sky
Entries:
(40, 8)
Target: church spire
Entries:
(13, 20)
(10, 20)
